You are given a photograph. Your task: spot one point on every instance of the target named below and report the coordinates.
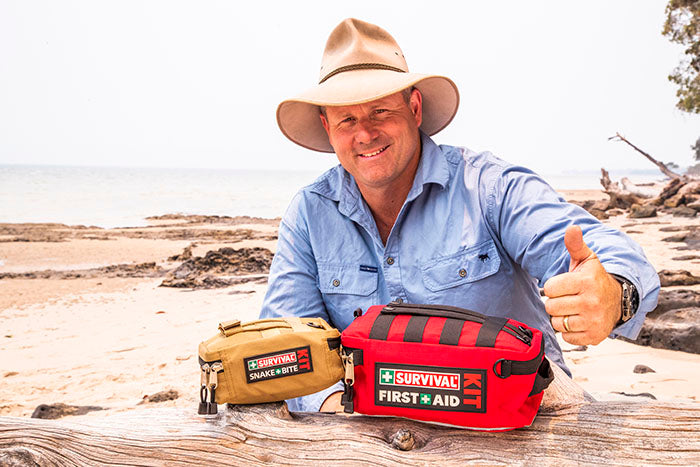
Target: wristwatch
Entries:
(630, 299)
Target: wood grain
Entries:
(570, 429)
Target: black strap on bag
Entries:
(543, 378)
(503, 368)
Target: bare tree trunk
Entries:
(662, 167)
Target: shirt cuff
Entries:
(313, 402)
(647, 303)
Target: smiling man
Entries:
(402, 218)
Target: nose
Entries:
(365, 131)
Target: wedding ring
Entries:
(566, 323)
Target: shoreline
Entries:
(86, 320)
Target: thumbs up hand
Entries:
(584, 303)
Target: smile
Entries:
(372, 154)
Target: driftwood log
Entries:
(680, 190)
(571, 428)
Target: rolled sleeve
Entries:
(531, 219)
(648, 287)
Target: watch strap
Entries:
(630, 299)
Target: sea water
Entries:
(121, 197)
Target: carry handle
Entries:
(409, 307)
(230, 328)
(439, 312)
(446, 311)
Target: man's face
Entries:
(377, 142)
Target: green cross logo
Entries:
(253, 365)
(387, 376)
(425, 399)
(278, 371)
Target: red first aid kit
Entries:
(444, 365)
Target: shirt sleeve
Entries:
(293, 281)
(531, 218)
(293, 289)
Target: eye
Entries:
(347, 120)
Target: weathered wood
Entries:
(662, 167)
(645, 191)
(567, 430)
(619, 198)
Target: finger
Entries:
(577, 338)
(568, 283)
(576, 324)
(562, 306)
(577, 248)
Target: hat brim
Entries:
(298, 118)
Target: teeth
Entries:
(373, 153)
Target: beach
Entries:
(99, 318)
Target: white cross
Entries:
(386, 376)
(425, 398)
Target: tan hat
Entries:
(361, 63)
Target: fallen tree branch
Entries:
(568, 430)
(662, 167)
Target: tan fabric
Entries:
(266, 342)
(362, 63)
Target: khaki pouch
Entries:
(268, 360)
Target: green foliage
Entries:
(682, 26)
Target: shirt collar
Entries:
(338, 185)
(432, 168)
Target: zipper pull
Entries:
(348, 381)
(348, 362)
(527, 333)
(216, 367)
(204, 381)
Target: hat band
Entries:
(361, 66)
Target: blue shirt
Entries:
(474, 232)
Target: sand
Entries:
(111, 341)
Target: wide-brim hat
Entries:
(361, 63)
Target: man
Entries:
(403, 218)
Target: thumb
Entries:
(577, 248)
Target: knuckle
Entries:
(592, 301)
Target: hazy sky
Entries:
(196, 84)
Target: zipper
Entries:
(519, 332)
(209, 381)
(204, 382)
(348, 381)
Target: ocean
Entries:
(122, 197)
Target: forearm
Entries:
(313, 402)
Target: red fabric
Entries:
(419, 378)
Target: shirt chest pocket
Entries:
(465, 266)
(341, 279)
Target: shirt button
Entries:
(336, 282)
(390, 261)
(462, 272)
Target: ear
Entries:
(324, 122)
(416, 105)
